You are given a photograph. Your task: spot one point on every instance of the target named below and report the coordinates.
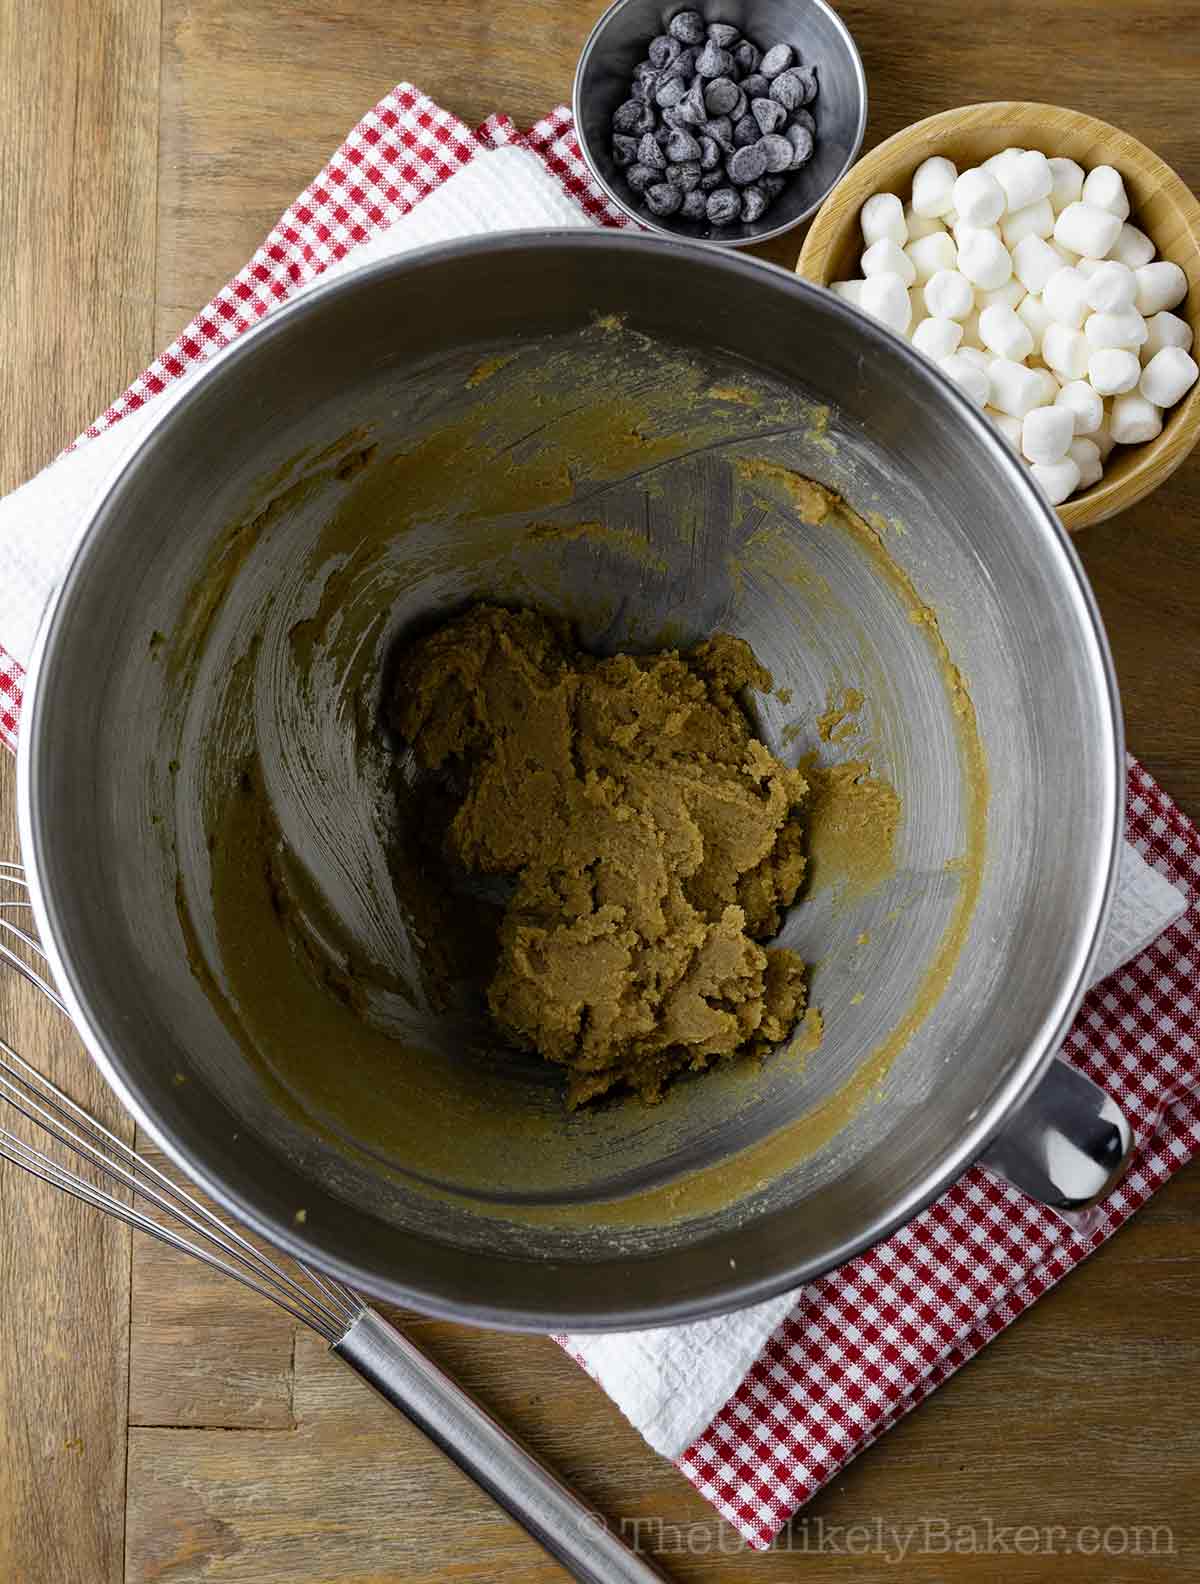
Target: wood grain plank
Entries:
(64, 1296)
(203, 1350)
(78, 119)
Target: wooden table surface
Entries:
(156, 1424)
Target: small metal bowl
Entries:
(620, 40)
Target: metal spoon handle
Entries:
(576, 1537)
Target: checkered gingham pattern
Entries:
(870, 1341)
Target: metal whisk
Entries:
(357, 1333)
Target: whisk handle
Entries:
(574, 1535)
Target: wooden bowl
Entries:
(1161, 205)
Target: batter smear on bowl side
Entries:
(651, 839)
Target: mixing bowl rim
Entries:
(50, 908)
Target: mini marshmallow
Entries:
(937, 338)
(886, 257)
(1004, 333)
(933, 187)
(850, 291)
(1159, 285)
(1036, 219)
(1086, 456)
(973, 381)
(883, 217)
(1000, 161)
(1066, 183)
(1012, 387)
(1084, 405)
(949, 294)
(1113, 370)
(1065, 297)
(1010, 428)
(1025, 179)
(919, 226)
(1006, 296)
(885, 297)
(978, 198)
(1116, 329)
(1085, 229)
(1104, 188)
(1088, 267)
(1048, 387)
(980, 356)
(1065, 351)
(1111, 288)
(1165, 330)
(1132, 248)
(960, 231)
(1134, 420)
(1037, 318)
(932, 253)
(1058, 479)
(1046, 433)
(983, 259)
(1168, 376)
(1034, 261)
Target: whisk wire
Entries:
(325, 1305)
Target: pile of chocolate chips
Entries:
(713, 127)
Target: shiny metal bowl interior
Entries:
(119, 754)
(620, 40)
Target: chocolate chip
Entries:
(624, 150)
(694, 206)
(724, 206)
(710, 153)
(686, 176)
(630, 117)
(723, 34)
(756, 86)
(754, 204)
(745, 132)
(801, 140)
(795, 88)
(746, 57)
(711, 180)
(649, 152)
(747, 164)
(640, 177)
(769, 114)
(720, 129)
(663, 50)
(682, 146)
(714, 61)
(687, 27)
(692, 108)
(777, 59)
(670, 92)
(803, 118)
(721, 95)
(777, 151)
(662, 199)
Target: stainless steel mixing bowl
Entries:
(558, 418)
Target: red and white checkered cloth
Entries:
(836, 1365)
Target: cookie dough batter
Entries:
(652, 841)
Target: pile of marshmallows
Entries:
(1024, 281)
